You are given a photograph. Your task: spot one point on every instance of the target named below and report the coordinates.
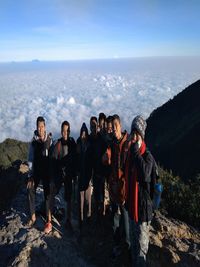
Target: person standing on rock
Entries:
(138, 169)
(98, 148)
(117, 188)
(84, 168)
(64, 166)
(106, 159)
(38, 160)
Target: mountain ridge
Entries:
(173, 132)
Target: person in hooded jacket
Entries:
(106, 159)
(84, 167)
(98, 149)
(39, 171)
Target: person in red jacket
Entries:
(117, 187)
(138, 171)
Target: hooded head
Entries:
(139, 124)
(84, 129)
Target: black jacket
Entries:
(63, 158)
(84, 163)
(39, 152)
(144, 165)
(99, 146)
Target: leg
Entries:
(68, 196)
(31, 187)
(88, 194)
(139, 233)
(126, 225)
(116, 222)
(48, 195)
(143, 242)
(102, 196)
(116, 230)
(81, 205)
(134, 236)
(95, 193)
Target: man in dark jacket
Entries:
(38, 160)
(64, 166)
(138, 170)
(98, 149)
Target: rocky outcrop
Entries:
(172, 242)
(10, 181)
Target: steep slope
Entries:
(173, 132)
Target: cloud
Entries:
(75, 91)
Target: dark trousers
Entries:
(120, 224)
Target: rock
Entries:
(172, 242)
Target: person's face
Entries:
(109, 127)
(135, 137)
(93, 127)
(83, 136)
(65, 132)
(41, 129)
(117, 128)
(101, 124)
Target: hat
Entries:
(84, 129)
(139, 124)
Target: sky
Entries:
(90, 29)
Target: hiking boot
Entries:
(48, 228)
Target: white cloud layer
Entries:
(74, 91)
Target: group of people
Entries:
(107, 157)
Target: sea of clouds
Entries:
(76, 90)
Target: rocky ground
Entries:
(173, 243)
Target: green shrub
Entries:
(11, 150)
(181, 199)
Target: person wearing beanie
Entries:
(64, 167)
(138, 165)
(84, 168)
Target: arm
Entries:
(144, 165)
(30, 159)
(30, 180)
(53, 153)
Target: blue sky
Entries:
(86, 29)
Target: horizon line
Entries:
(93, 59)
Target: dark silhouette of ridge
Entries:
(173, 133)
